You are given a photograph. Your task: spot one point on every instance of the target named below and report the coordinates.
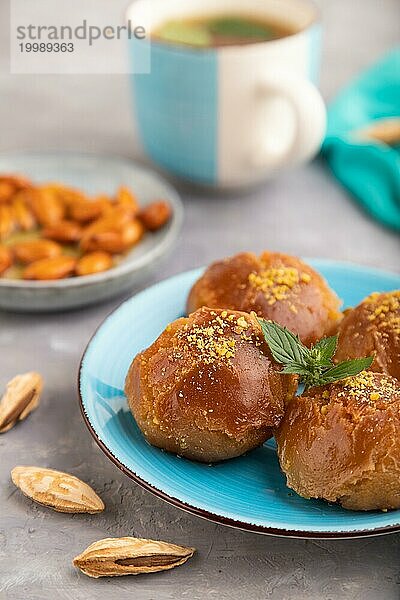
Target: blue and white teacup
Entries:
(234, 115)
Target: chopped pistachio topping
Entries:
(385, 310)
(215, 340)
(363, 387)
(276, 283)
(242, 323)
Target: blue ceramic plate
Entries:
(248, 492)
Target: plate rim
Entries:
(121, 269)
(200, 512)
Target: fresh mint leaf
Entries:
(185, 33)
(285, 346)
(234, 27)
(348, 368)
(295, 369)
(314, 366)
(325, 349)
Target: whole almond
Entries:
(125, 200)
(155, 215)
(5, 259)
(130, 556)
(23, 215)
(66, 194)
(50, 268)
(118, 238)
(18, 182)
(386, 130)
(94, 262)
(7, 221)
(10, 184)
(7, 191)
(88, 210)
(57, 490)
(22, 396)
(113, 220)
(33, 250)
(63, 231)
(7, 427)
(47, 206)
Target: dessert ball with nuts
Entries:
(373, 327)
(208, 388)
(276, 286)
(341, 442)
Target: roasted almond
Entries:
(22, 396)
(112, 221)
(130, 556)
(5, 259)
(11, 184)
(33, 250)
(125, 200)
(23, 215)
(57, 214)
(57, 490)
(155, 215)
(18, 182)
(70, 195)
(50, 268)
(63, 231)
(47, 206)
(94, 262)
(64, 194)
(132, 233)
(7, 221)
(89, 210)
(113, 218)
(115, 240)
(7, 191)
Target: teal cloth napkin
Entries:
(370, 170)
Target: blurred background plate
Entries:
(248, 492)
(94, 174)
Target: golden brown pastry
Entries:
(341, 442)
(373, 327)
(208, 388)
(276, 286)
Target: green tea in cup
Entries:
(219, 30)
(230, 97)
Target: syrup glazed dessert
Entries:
(208, 388)
(276, 286)
(341, 442)
(373, 327)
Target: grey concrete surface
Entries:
(303, 212)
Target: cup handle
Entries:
(294, 134)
